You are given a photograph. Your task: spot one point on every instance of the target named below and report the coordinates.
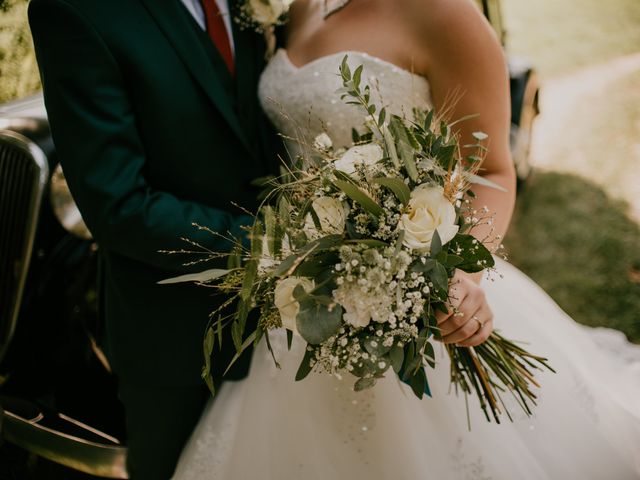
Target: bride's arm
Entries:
(466, 68)
(460, 55)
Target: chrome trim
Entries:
(29, 148)
(100, 459)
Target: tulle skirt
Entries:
(586, 424)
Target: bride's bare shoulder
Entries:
(450, 31)
(451, 17)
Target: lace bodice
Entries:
(302, 101)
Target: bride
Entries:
(421, 53)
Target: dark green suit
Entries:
(154, 134)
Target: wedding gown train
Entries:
(586, 424)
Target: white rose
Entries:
(368, 154)
(323, 142)
(332, 215)
(429, 210)
(267, 13)
(286, 303)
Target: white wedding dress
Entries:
(268, 427)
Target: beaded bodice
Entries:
(302, 101)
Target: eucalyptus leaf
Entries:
(397, 186)
(344, 68)
(479, 180)
(357, 76)
(315, 265)
(219, 332)
(202, 277)
(257, 233)
(246, 344)
(289, 265)
(340, 175)
(208, 344)
(418, 383)
(382, 117)
(305, 366)
(406, 153)
(250, 275)
(476, 256)
(364, 383)
(271, 232)
(359, 196)
(409, 358)
(429, 120)
(374, 346)
(316, 322)
(428, 265)
(391, 148)
(454, 260)
(396, 355)
(436, 243)
(439, 277)
(430, 354)
(236, 335)
(442, 257)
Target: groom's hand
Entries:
(469, 321)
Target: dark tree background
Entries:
(18, 69)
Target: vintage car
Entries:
(58, 403)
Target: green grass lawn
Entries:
(582, 248)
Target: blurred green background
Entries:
(576, 230)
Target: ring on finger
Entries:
(480, 322)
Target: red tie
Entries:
(218, 32)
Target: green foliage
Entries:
(396, 185)
(359, 196)
(18, 68)
(318, 318)
(582, 248)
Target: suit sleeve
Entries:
(94, 130)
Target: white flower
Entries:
(285, 302)
(368, 154)
(323, 142)
(429, 210)
(267, 13)
(362, 308)
(332, 215)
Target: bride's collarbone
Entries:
(353, 29)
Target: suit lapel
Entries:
(247, 72)
(182, 33)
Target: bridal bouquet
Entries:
(354, 250)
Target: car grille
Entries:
(23, 176)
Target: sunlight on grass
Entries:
(582, 248)
(561, 35)
(596, 134)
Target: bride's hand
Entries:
(469, 321)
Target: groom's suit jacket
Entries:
(154, 134)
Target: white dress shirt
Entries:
(195, 9)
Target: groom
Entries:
(154, 113)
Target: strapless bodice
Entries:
(302, 101)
